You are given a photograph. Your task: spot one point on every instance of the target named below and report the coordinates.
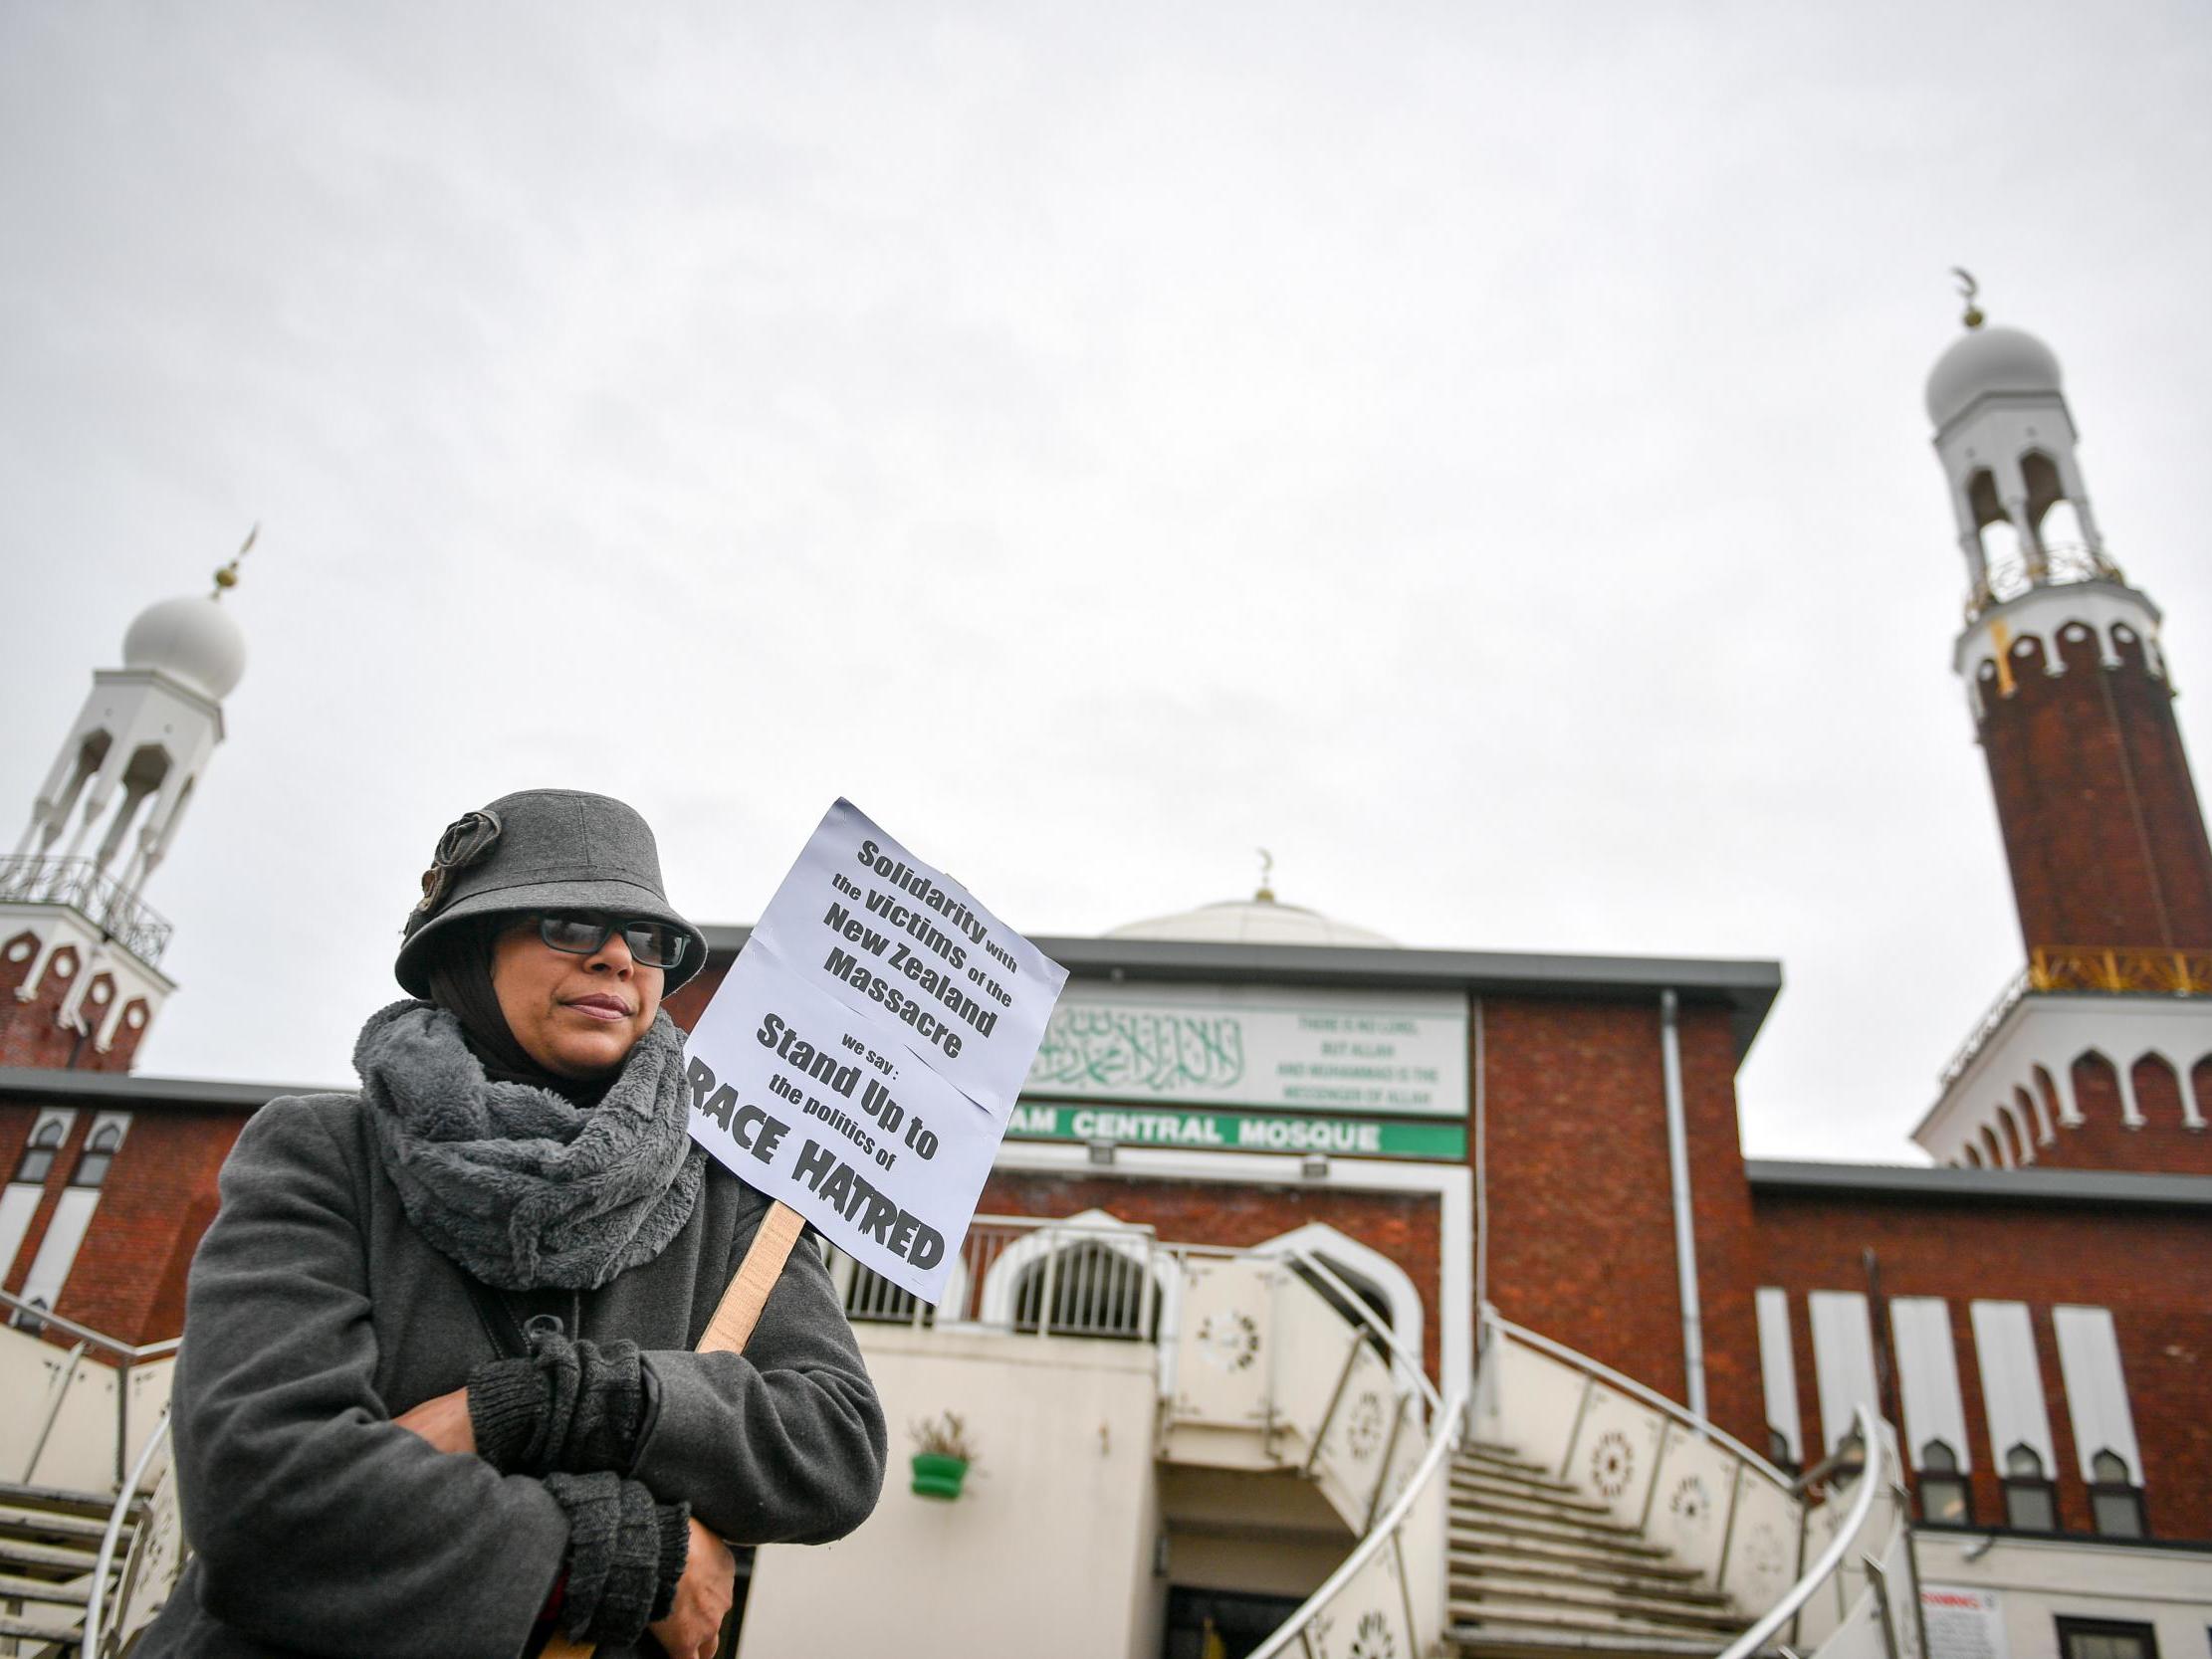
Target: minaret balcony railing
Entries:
(2108, 967)
(2118, 971)
(2058, 566)
(79, 884)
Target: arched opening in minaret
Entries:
(149, 768)
(2004, 560)
(2058, 525)
(2096, 1088)
(1973, 1154)
(2047, 1095)
(92, 755)
(2157, 1090)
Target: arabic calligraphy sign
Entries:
(1334, 1050)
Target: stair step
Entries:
(1501, 1639)
(19, 1521)
(1541, 1484)
(1504, 1457)
(60, 1499)
(1489, 1486)
(72, 1594)
(1594, 1601)
(15, 1553)
(1491, 1522)
(1542, 1616)
(1536, 1507)
(62, 1635)
(1474, 1554)
(1671, 1585)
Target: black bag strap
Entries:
(509, 1316)
(498, 1318)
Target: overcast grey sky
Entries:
(1475, 452)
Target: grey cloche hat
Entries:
(541, 850)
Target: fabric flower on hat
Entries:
(467, 841)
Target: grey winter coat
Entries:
(317, 1314)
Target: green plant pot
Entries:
(938, 1476)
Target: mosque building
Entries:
(1408, 1300)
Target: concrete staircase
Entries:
(49, 1546)
(1537, 1569)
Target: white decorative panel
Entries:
(1617, 1453)
(17, 1202)
(20, 1201)
(1529, 1401)
(1690, 1498)
(1778, 1368)
(2096, 1391)
(1222, 1350)
(2012, 1383)
(1355, 1439)
(1762, 1546)
(58, 1250)
(1844, 1361)
(1313, 1342)
(1372, 1616)
(1927, 1376)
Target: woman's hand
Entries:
(443, 1421)
(693, 1628)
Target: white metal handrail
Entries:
(1825, 1564)
(86, 1334)
(1444, 1434)
(104, 1562)
(1492, 1318)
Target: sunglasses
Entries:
(653, 943)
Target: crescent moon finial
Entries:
(227, 577)
(1968, 289)
(1266, 893)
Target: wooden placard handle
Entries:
(729, 1329)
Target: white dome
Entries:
(190, 640)
(1985, 360)
(1251, 921)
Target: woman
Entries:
(437, 1394)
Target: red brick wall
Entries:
(159, 1197)
(2073, 760)
(2104, 1141)
(1405, 1227)
(2151, 1268)
(1582, 1231)
(29, 1034)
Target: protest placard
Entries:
(814, 1105)
(841, 1069)
(863, 919)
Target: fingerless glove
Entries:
(570, 1406)
(625, 1556)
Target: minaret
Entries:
(2108, 1028)
(2072, 702)
(79, 949)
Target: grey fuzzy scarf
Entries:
(520, 1186)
